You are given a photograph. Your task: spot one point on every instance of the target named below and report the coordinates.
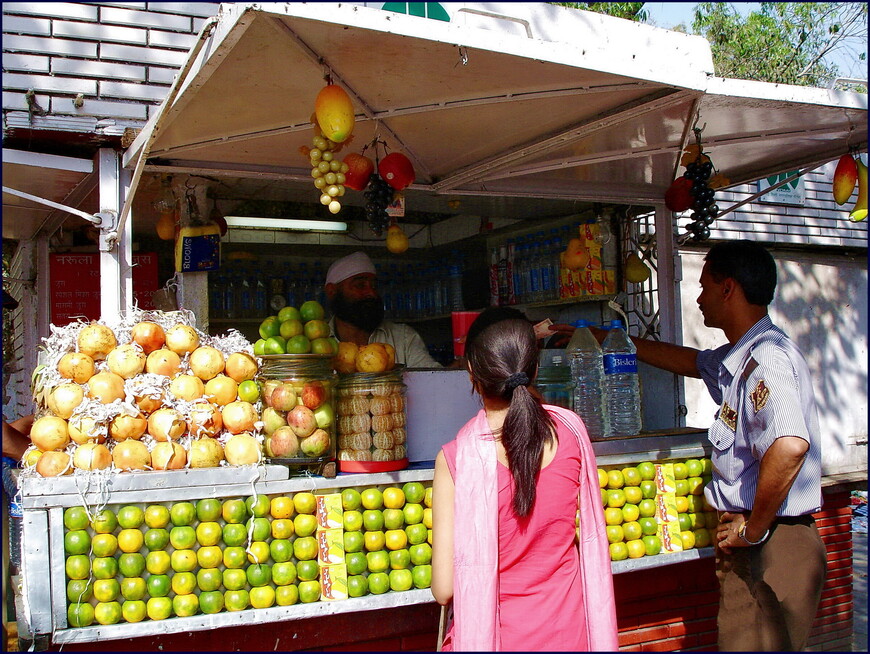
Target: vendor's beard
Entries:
(366, 314)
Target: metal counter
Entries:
(43, 605)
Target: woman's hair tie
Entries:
(516, 379)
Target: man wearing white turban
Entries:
(358, 312)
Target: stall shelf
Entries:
(676, 591)
(45, 499)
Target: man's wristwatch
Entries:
(741, 531)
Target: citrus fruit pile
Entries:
(151, 392)
(296, 331)
(156, 561)
(374, 357)
(651, 508)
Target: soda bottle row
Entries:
(606, 383)
(257, 291)
(529, 268)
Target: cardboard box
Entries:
(329, 511)
(333, 583)
(609, 282)
(597, 281)
(330, 546)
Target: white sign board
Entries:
(793, 192)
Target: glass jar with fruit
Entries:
(299, 418)
(371, 425)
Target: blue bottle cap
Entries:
(580, 323)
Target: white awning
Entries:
(602, 118)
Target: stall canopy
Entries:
(577, 106)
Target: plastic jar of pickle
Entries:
(371, 422)
(298, 414)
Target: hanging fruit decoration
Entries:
(333, 121)
(397, 240)
(859, 211)
(397, 171)
(849, 173)
(378, 196)
(359, 171)
(696, 190)
(334, 112)
(166, 205)
(845, 178)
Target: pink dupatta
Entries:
(475, 554)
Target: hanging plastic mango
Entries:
(334, 112)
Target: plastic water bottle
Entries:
(291, 288)
(622, 388)
(261, 297)
(517, 270)
(455, 274)
(587, 371)
(231, 302)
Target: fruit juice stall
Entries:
(514, 120)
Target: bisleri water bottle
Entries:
(621, 384)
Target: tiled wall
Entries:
(121, 56)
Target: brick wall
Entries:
(832, 628)
(120, 56)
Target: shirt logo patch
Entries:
(728, 416)
(759, 395)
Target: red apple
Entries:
(678, 197)
(359, 171)
(283, 443)
(149, 335)
(397, 171)
(313, 394)
(301, 420)
(283, 398)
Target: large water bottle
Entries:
(587, 371)
(621, 384)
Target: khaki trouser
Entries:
(769, 594)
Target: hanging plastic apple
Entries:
(397, 171)
(334, 112)
(359, 171)
(678, 197)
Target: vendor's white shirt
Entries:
(765, 391)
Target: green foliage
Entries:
(784, 42)
(628, 10)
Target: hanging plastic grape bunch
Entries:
(378, 196)
(695, 190)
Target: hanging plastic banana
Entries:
(859, 211)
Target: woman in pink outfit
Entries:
(506, 491)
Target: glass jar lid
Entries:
(284, 365)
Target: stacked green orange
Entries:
(128, 563)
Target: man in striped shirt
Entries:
(766, 454)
